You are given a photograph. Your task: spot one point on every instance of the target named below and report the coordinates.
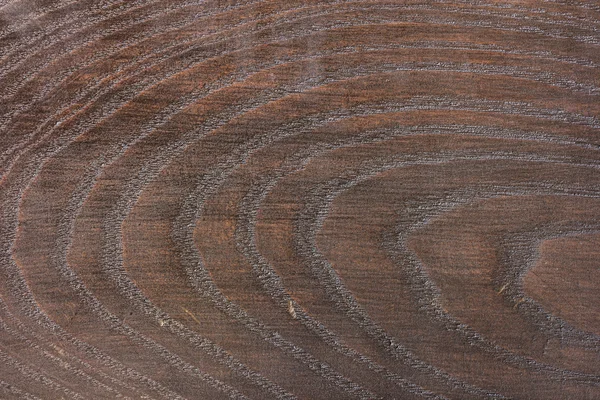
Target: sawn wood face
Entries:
(299, 199)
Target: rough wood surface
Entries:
(299, 199)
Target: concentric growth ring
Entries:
(299, 199)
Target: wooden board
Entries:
(299, 199)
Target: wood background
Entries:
(299, 199)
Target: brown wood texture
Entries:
(299, 199)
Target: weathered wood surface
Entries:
(299, 199)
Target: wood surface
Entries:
(299, 199)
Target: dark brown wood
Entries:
(299, 199)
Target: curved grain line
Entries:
(59, 121)
(63, 337)
(345, 299)
(428, 293)
(30, 373)
(269, 275)
(58, 362)
(248, 208)
(523, 73)
(42, 147)
(20, 329)
(521, 253)
(100, 162)
(89, 301)
(207, 186)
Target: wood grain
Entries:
(299, 199)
